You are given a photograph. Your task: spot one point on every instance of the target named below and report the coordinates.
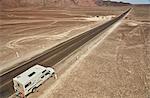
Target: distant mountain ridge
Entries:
(58, 3)
(48, 3)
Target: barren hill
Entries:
(48, 3)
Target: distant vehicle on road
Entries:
(29, 80)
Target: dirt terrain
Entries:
(25, 32)
(117, 68)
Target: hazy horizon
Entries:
(135, 1)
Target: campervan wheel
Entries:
(34, 89)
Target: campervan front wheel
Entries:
(34, 89)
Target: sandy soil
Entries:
(21, 39)
(25, 33)
(140, 14)
(117, 68)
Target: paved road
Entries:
(52, 56)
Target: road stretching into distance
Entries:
(53, 56)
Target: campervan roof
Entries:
(26, 76)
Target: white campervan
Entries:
(29, 80)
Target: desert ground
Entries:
(26, 32)
(119, 67)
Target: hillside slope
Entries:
(48, 3)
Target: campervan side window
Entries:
(43, 71)
(47, 73)
(27, 84)
(31, 74)
(42, 76)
